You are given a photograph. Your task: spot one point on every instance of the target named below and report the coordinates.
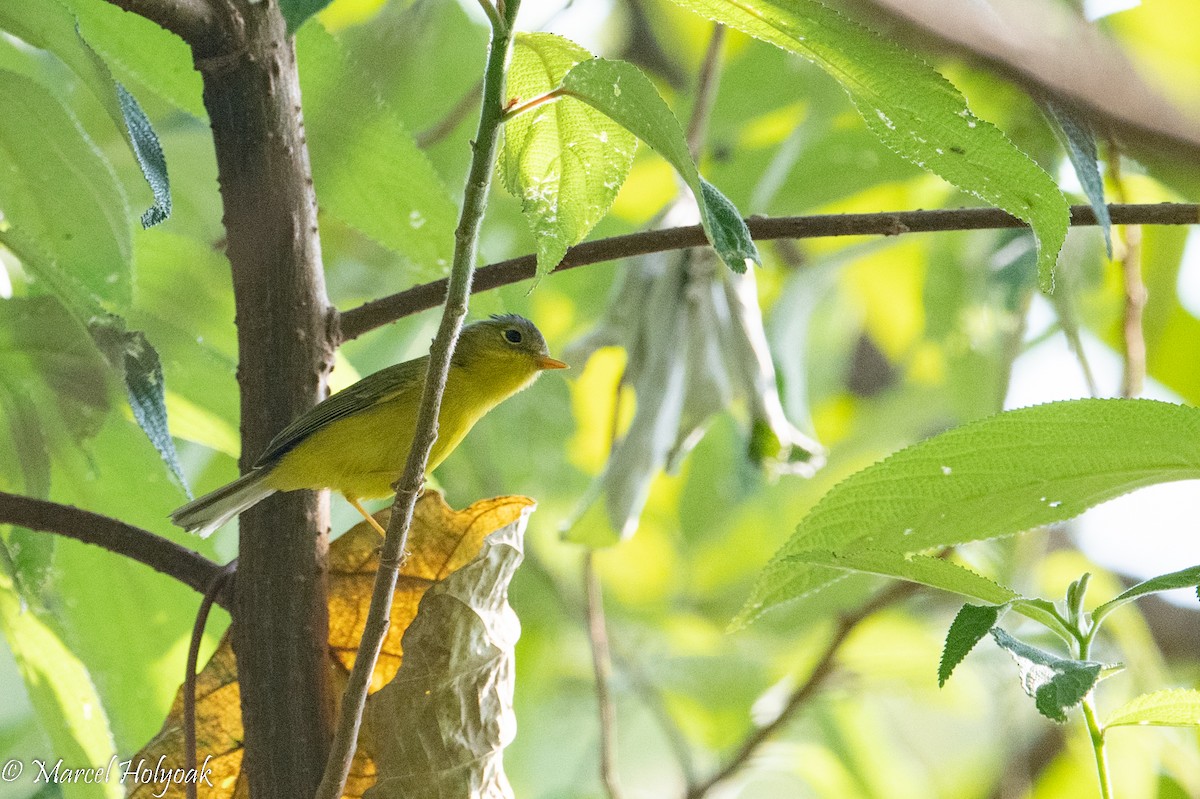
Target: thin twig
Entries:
(602, 666)
(706, 90)
(188, 567)
(377, 313)
(443, 128)
(1133, 375)
(215, 587)
(804, 692)
(409, 486)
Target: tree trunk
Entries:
(285, 335)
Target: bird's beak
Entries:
(546, 362)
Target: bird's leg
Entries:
(370, 519)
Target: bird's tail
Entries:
(203, 515)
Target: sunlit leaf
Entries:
(565, 161)
(915, 111)
(1010, 472)
(62, 693)
(625, 94)
(1184, 578)
(1174, 708)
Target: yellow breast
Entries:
(362, 454)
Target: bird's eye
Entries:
(513, 335)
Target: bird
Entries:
(356, 441)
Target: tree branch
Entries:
(194, 21)
(602, 669)
(412, 480)
(385, 310)
(800, 697)
(164, 556)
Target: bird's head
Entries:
(507, 344)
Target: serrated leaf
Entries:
(969, 627)
(128, 352)
(1076, 136)
(297, 12)
(142, 53)
(1001, 475)
(916, 112)
(51, 26)
(1178, 707)
(565, 161)
(621, 91)
(58, 189)
(923, 569)
(1056, 684)
(141, 371)
(1184, 578)
(367, 168)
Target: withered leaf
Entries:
(441, 541)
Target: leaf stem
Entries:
(411, 482)
(1096, 732)
(542, 99)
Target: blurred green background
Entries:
(879, 342)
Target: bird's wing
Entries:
(384, 385)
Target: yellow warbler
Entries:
(357, 440)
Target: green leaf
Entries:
(51, 26)
(916, 112)
(62, 693)
(1184, 578)
(58, 188)
(367, 168)
(565, 161)
(625, 94)
(923, 569)
(968, 628)
(296, 12)
(130, 352)
(1076, 136)
(141, 53)
(1179, 707)
(53, 373)
(1001, 475)
(1056, 684)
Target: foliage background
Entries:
(879, 342)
